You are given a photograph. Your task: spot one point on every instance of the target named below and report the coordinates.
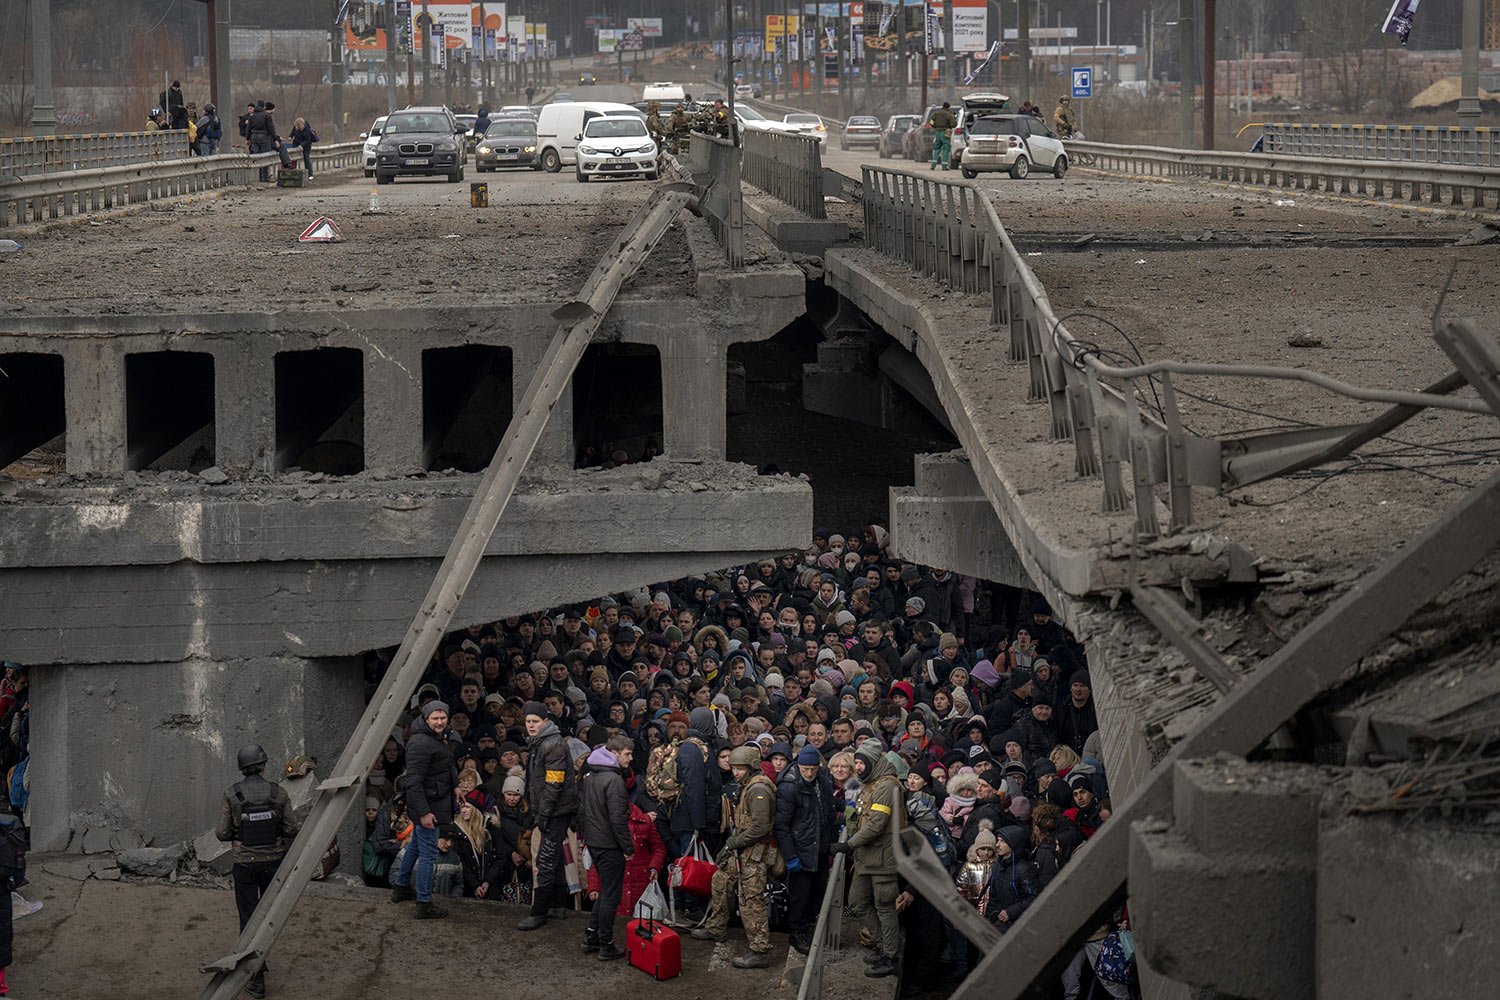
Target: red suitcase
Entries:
(653, 947)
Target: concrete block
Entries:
(95, 840)
(213, 853)
(1226, 807)
(152, 862)
(958, 533)
(946, 474)
(792, 231)
(126, 840)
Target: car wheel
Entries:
(551, 162)
(456, 176)
(1060, 168)
(383, 178)
(969, 174)
(581, 176)
(652, 175)
(369, 173)
(1020, 168)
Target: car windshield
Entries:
(993, 126)
(749, 114)
(520, 128)
(802, 119)
(902, 121)
(864, 120)
(415, 123)
(614, 129)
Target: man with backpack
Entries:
(256, 816)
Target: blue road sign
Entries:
(1083, 81)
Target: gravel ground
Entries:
(539, 239)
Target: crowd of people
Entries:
(257, 127)
(755, 724)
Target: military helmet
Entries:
(251, 758)
(746, 756)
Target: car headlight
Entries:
(484, 149)
(387, 147)
(447, 147)
(531, 149)
(587, 150)
(647, 148)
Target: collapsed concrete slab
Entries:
(946, 520)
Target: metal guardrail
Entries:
(1469, 187)
(1472, 147)
(828, 935)
(64, 194)
(577, 322)
(27, 155)
(787, 167)
(713, 166)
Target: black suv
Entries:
(421, 142)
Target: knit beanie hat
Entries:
(513, 784)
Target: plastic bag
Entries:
(651, 905)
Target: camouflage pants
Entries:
(749, 878)
(878, 893)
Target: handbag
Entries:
(1112, 964)
(693, 873)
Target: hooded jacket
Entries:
(604, 806)
(699, 804)
(650, 855)
(1013, 882)
(551, 788)
(880, 803)
(431, 775)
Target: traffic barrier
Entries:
(63, 194)
(787, 167)
(1466, 186)
(1450, 144)
(45, 154)
(713, 167)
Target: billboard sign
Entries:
(649, 27)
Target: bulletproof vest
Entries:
(260, 814)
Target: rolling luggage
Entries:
(653, 947)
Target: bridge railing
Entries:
(28, 155)
(828, 933)
(713, 166)
(1473, 147)
(787, 167)
(52, 196)
(1465, 186)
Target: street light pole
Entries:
(43, 112)
(426, 55)
(390, 55)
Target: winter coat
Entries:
(480, 866)
(1074, 725)
(431, 775)
(1013, 883)
(987, 812)
(1037, 738)
(804, 817)
(699, 804)
(649, 854)
(603, 806)
(1048, 859)
(955, 812)
(880, 803)
(551, 789)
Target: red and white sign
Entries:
(324, 230)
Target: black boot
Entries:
(257, 985)
(430, 911)
(752, 960)
(880, 968)
(802, 942)
(558, 912)
(608, 951)
(401, 893)
(532, 922)
(590, 940)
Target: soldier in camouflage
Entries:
(678, 127)
(654, 123)
(875, 886)
(748, 861)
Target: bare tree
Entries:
(1341, 33)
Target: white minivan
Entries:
(667, 93)
(559, 125)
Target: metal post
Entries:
(1023, 33)
(901, 66)
(1208, 74)
(390, 55)
(426, 33)
(845, 40)
(336, 72)
(734, 124)
(1468, 99)
(1187, 70)
(218, 44)
(43, 114)
(950, 78)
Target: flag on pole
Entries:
(338, 18)
(989, 58)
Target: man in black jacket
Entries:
(431, 778)
(260, 132)
(604, 822)
(804, 833)
(1076, 719)
(553, 793)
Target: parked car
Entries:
(918, 144)
(1014, 143)
(509, 142)
(893, 136)
(561, 97)
(807, 124)
(470, 139)
(753, 121)
(861, 130)
(969, 107)
(372, 141)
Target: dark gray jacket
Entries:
(804, 817)
(551, 787)
(604, 806)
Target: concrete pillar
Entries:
(43, 113)
(694, 371)
(393, 408)
(94, 390)
(1468, 98)
(143, 752)
(244, 407)
(556, 448)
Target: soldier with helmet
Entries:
(256, 816)
(750, 859)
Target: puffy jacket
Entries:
(879, 804)
(650, 855)
(1013, 883)
(550, 786)
(699, 804)
(804, 817)
(431, 775)
(604, 806)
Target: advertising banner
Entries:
(970, 25)
(365, 26)
(452, 17)
(649, 27)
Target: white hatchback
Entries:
(615, 146)
(1014, 143)
(372, 139)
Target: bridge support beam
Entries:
(945, 520)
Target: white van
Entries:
(559, 125)
(667, 93)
